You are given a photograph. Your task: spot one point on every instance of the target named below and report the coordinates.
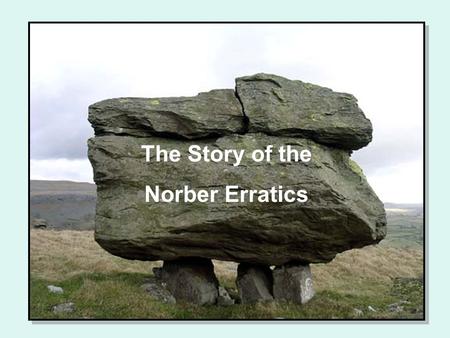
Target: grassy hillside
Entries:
(405, 228)
(104, 286)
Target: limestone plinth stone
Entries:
(224, 298)
(191, 280)
(293, 283)
(254, 283)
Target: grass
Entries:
(104, 286)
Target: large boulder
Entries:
(342, 211)
(278, 106)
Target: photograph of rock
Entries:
(227, 172)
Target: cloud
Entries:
(59, 111)
(61, 169)
(73, 66)
(399, 183)
(390, 148)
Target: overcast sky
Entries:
(73, 66)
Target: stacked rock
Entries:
(342, 212)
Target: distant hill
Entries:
(404, 207)
(39, 187)
(405, 225)
(63, 204)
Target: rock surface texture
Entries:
(293, 283)
(254, 283)
(63, 308)
(157, 290)
(224, 298)
(210, 114)
(278, 106)
(39, 223)
(191, 281)
(342, 212)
